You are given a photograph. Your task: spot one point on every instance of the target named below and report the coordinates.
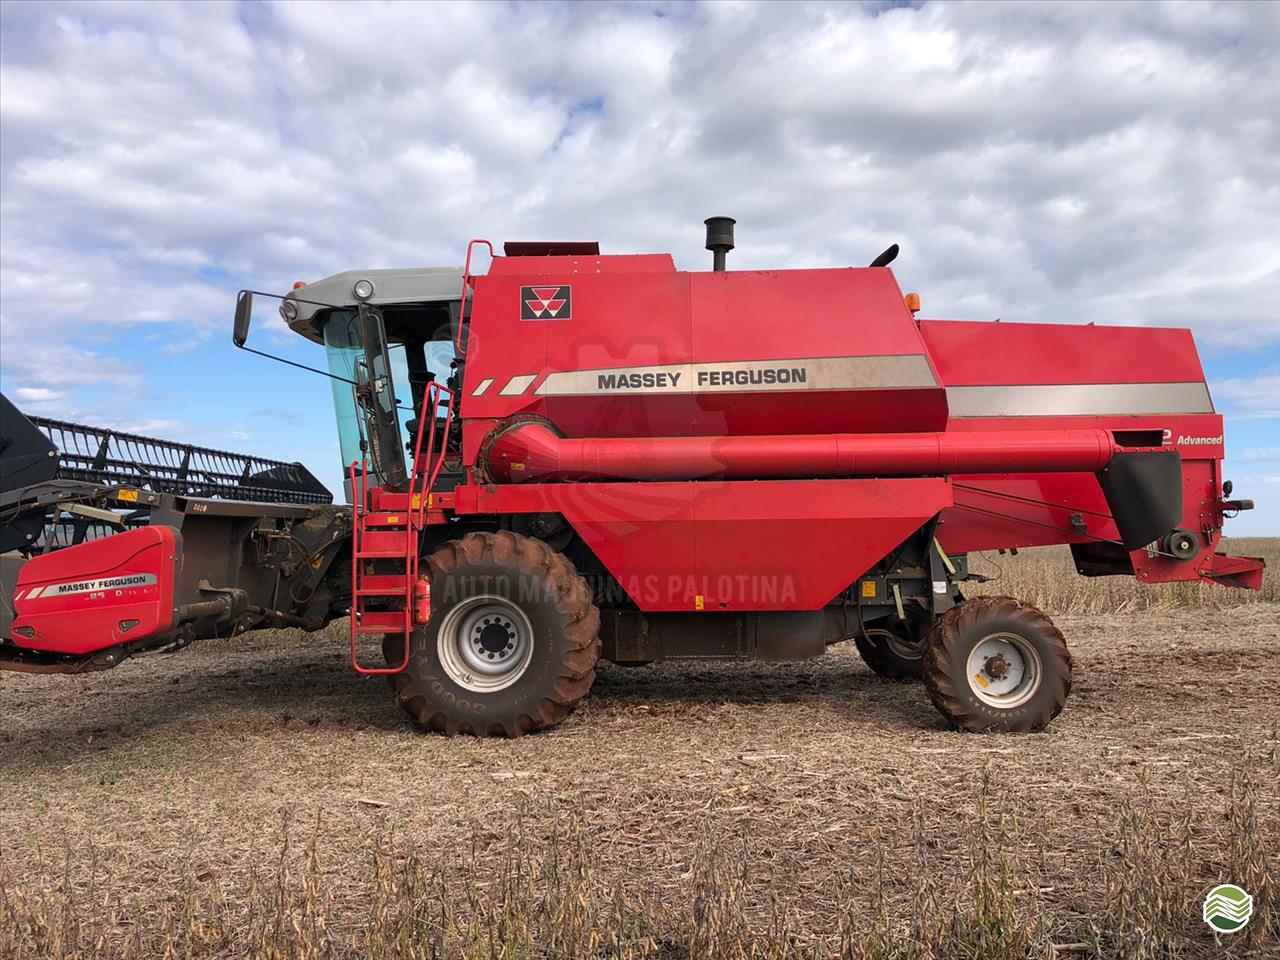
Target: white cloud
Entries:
(1244, 397)
(1057, 162)
(36, 395)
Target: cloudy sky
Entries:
(1112, 163)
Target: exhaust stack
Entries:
(719, 240)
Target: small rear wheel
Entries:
(996, 664)
(512, 642)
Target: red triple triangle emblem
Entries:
(544, 300)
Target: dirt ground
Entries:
(188, 764)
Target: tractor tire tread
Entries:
(947, 633)
(577, 664)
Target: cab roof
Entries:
(390, 287)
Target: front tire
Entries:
(512, 642)
(995, 664)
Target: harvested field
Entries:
(254, 798)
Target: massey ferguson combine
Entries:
(580, 456)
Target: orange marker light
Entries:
(299, 284)
(913, 302)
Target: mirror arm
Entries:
(300, 366)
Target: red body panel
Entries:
(1118, 365)
(629, 320)
(1008, 354)
(649, 374)
(756, 545)
(98, 594)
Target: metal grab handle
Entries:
(462, 299)
(428, 468)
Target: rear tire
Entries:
(895, 650)
(995, 664)
(512, 642)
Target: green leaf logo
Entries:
(1227, 908)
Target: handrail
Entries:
(428, 468)
(462, 298)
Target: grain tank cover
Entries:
(628, 346)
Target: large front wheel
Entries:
(512, 642)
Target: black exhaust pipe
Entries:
(719, 239)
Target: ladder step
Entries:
(384, 543)
(380, 555)
(391, 621)
(389, 519)
(382, 585)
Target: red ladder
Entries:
(384, 538)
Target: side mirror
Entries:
(244, 313)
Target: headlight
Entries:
(363, 289)
(289, 310)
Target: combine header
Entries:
(113, 544)
(610, 458)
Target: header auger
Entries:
(610, 458)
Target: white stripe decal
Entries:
(518, 385)
(119, 583)
(482, 386)
(1089, 399)
(748, 376)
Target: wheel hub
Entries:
(997, 667)
(1004, 670)
(485, 643)
(494, 637)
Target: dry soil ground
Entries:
(821, 777)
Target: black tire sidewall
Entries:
(1045, 704)
(883, 661)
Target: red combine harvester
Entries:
(612, 458)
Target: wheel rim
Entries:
(485, 644)
(901, 647)
(1004, 670)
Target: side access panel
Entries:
(733, 545)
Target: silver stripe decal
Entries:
(517, 385)
(1089, 399)
(747, 376)
(484, 385)
(125, 581)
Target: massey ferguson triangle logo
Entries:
(546, 303)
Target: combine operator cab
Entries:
(389, 341)
(388, 337)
